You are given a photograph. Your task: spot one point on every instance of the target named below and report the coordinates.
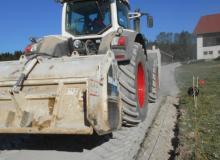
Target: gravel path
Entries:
(158, 143)
(168, 82)
(124, 144)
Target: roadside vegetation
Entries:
(182, 46)
(10, 56)
(199, 129)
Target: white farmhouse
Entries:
(208, 37)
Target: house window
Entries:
(210, 52)
(218, 40)
(219, 52)
(211, 40)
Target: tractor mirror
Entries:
(150, 21)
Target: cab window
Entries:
(123, 11)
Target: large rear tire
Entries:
(133, 80)
(154, 90)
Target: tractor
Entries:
(95, 77)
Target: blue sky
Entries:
(21, 19)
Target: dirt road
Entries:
(145, 141)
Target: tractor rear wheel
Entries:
(133, 80)
(153, 96)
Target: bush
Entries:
(218, 58)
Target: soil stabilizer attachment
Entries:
(68, 95)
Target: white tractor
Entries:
(95, 77)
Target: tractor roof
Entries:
(63, 1)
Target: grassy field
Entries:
(199, 129)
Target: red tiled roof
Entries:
(208, 24)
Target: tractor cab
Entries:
(88, 22)
(87, 18)
(91, 18)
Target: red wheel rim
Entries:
(141, 85)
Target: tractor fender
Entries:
(134, 37)
(131, 37)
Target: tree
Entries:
(10, 56)
(181, 45)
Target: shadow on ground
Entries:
(68, 143)
(175, 140)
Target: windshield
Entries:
(88, 17)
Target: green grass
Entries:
(206, 117)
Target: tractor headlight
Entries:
(78, 44)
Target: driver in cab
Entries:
(98, 23)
